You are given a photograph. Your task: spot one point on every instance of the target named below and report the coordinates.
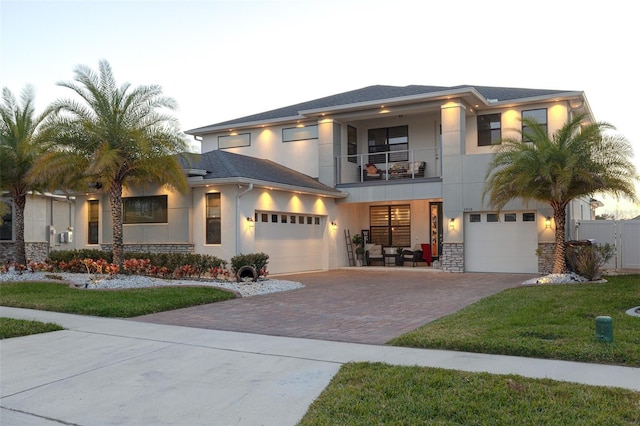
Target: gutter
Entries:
(239, 219)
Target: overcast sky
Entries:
(226, 59)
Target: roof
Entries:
(226, 166)
(379, 93)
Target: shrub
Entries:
(69, 255)
(586, 260)
(257, 260)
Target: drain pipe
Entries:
(239, 221)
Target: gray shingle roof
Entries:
(379, 92)
(227, 165)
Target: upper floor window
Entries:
(6, 224)
(539, 115)
(489, 129)
(214, 213)
(301, 133)
(352, 144)
(394, 140)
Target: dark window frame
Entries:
(213, 217)
(6, 229)
(93, 223)
(532, 113)
(396, 231)
(352, 144)
(145, 210)
(489, 129)
(380, 145)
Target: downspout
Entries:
(239, 221)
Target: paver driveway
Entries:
(371, 305)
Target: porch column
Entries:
(453, 148)
(328, 149)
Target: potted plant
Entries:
(358, 241)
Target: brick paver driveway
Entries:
(350, 305)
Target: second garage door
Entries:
(292, 241)
(504, 242)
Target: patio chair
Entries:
(373, 253)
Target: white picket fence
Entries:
(624, 235)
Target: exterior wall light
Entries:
(547, 222)
(250, 222)
(334, 226)
(452, 224)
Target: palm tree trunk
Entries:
(19, 202)
(559, 262)
(115, 199)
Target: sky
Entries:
(222, 60)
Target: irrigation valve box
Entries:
(604, 329)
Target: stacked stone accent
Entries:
(35, 252)
(452, 259)
(154, 248)
(545, 257)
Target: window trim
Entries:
(489, 131)
(151, 201)
(300, 133)
(90, 222)
(212, 236)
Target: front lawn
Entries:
(543, 321)
(380, 394)
(57, 297)
(10, 327)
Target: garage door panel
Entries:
(500, 246)
(292, 247)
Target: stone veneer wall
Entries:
(36, 252)
(154, 248)
(545, 257)
(452, 259)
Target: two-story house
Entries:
(403, 165)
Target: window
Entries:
(145, 209)
(528, 217)
(6, 228)
(539, 115)
(293, 134)
(474, 217)
(292, 219)
(394, 140)
(283, 218)
(509, 217)
(264, 217)
(489, 129)
(352, 144)
(234, 141)
(93, 216)
(390, 225)
(492, 217)
(214, 224)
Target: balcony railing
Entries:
(389, 166)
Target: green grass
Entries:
(380, 394)
(550, 321)
(10, 327)
(106, 303)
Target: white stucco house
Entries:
(289, 182)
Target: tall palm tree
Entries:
(578, 160)
(112, 138)
(21, 143)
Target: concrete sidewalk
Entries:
(112, 371)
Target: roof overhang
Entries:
(199, 181)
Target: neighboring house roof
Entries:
(485, 94)
(228, 167)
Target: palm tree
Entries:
(112, 138)
(21, 143)
(576, 161)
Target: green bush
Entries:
(586, 260)
(257, 260)
(68, 255)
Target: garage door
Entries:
(292, 241)
(504, 242)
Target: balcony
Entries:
(389, 167)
